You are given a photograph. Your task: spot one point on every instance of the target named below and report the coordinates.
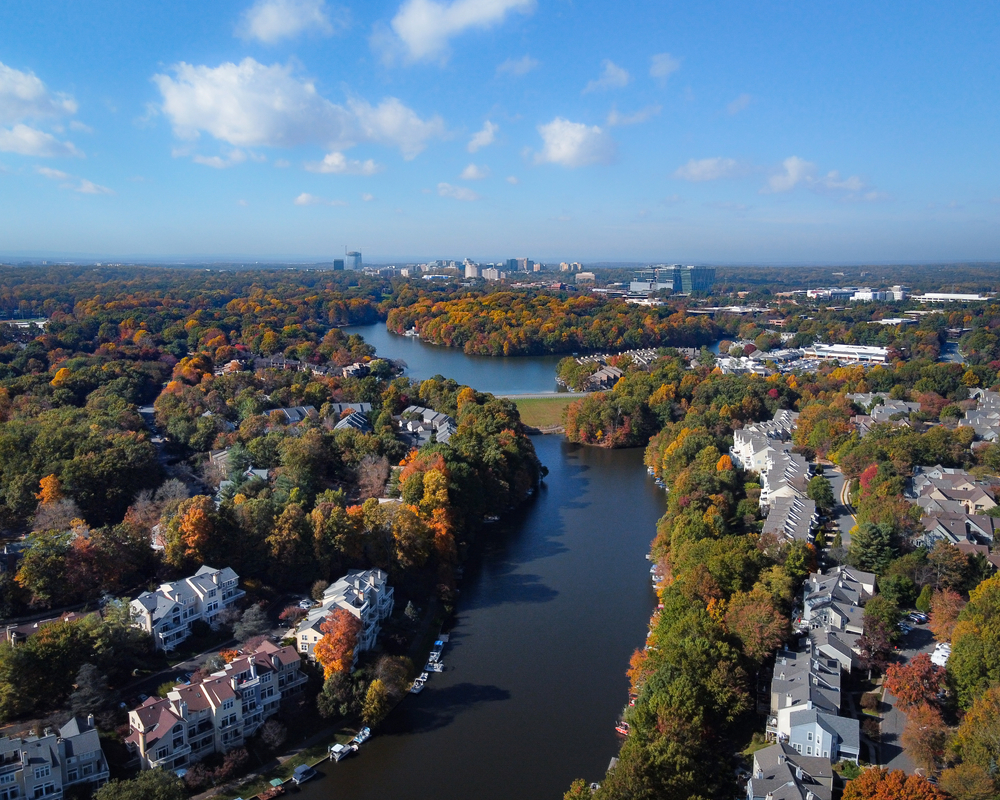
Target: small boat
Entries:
(302, 773)
(434, 666)
(363, 736)
(423, 676)
(622, 728)
(418, 685)
(434, 656)
(339, 751)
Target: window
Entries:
(88, 769)
(809, 750)
(72, 775)
(228, 703)
(809, 736)
(42, 772)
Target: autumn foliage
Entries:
(878, 783)
(914, 683)
(335, 650)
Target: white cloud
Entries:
(86, 187)
(710, 169)
(483, 138)
(662, 66)
(614, 118)
(457, 192)
(53, 174)
(218, 162)
(27, 141)
(272, 20)
(367, 197)
(474, 173)
(391, 122)
(612, 77)
(282, 163)
(81, 185)
(423, 27)
(574, 144)
(513, 180)
(794, 171)
(832, 180)
(242, 203)
(250, 104)
(518, 66)
(24, 96)
(75, 125)
(306, 199)
(739, 104)
(337, 163)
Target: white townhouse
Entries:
(43, 766)
(365, 594)
(170, 611)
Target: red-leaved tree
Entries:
(915, 683)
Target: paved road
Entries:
(919, 640)
(842, 512)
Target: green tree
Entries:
(924, 600)
(974, 665)
(871, 547)
(153, 784)
(253, 622)
(820, 491)
(92, 694)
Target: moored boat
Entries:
(363, 735)
(302, 773)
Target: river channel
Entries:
(551, 608)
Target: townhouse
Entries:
(781, 773)
(47, 765)
(169, 612)
(217, 713)
(363, 593)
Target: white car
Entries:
(941, 654)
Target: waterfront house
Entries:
(217, 713)
(169, 612)
(363, 593)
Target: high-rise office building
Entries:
(675, 278)
(354, 259)
(338, 264)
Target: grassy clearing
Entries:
(543, 412)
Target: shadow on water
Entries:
(436, 708)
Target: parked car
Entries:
(307, 604)
(905, 628)
(918, 617)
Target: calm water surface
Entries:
(518, 375)
(550, 611)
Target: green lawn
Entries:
(542, 412)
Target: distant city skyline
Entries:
(279, 130)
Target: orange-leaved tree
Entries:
(946, 605)
(51, 490)
(914, 683)
(335, 650)
(878, 783)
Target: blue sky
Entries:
(703, 132)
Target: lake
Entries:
(553, 603)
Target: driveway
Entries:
(919, 640)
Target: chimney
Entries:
(781, 759)
(90, 720)
(759, 774)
